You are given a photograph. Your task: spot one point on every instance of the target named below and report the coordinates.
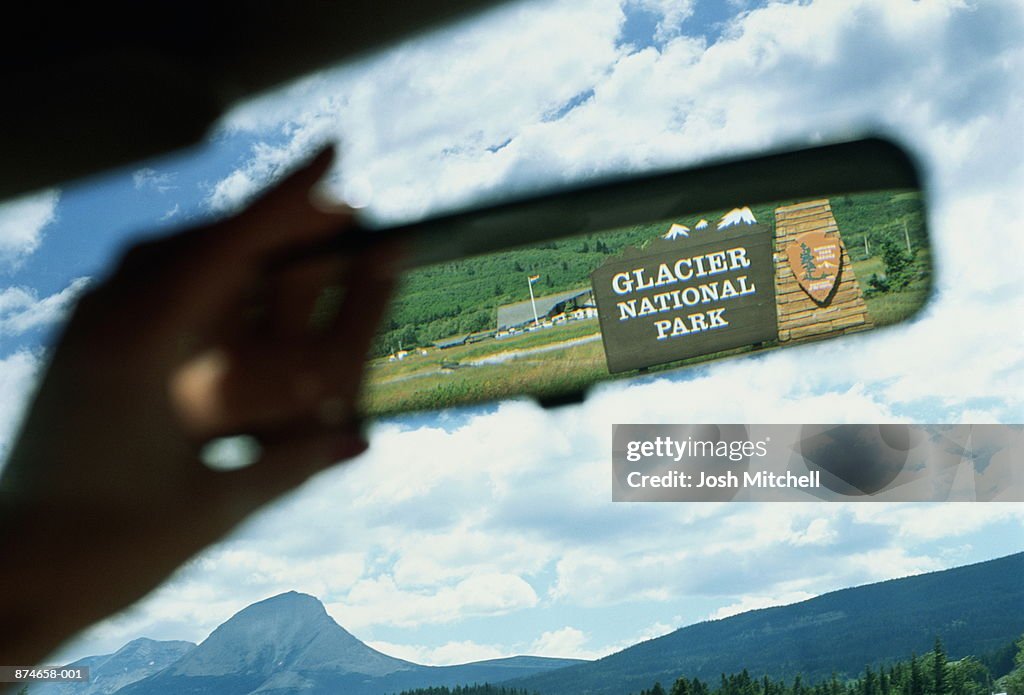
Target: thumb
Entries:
(283, 465)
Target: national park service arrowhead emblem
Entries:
(815, 258)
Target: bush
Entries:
(899, 264)
(877, 284)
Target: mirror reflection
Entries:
(555, 317)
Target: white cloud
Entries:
(422, 125)
(178, 610)
(231, 192)
(459, 552)
(17, 378)
(21, 310)
(771, 526)
(381, 601)
(572, 643)
(161, 182)
(265, 574)
(738, 549)
(671, 15)
(933, 521)
(818, 532)
(268, 163)
(568, 642)
(753, 602)
(889, 563)
(432, 108)
(190, 607)
(447, 654)
(22, 222)
(173, 212)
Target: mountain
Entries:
(131, 663)
(289, 644)
(735, 216)
(287, 641)
(676, 231)
(975, 609)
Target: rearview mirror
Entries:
(547, 296)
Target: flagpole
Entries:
(533, 302)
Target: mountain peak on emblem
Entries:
(736, 216)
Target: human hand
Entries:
(193, 337)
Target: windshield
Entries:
(491, 532)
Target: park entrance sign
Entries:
(687, 294)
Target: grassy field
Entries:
(889, 308)
(572, 361)
(455, 376)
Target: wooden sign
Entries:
(687, 296)
(815, 259)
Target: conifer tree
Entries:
(869, 683)
(680, 687)
(939, 668)
(916, 685)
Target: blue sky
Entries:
(491, 532)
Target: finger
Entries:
(203, 271)
(294, 301)
(344, 348)
(247, 389)
(269, 382)
(282, 218)
(304, 296)
(268, 225)
(284, 464)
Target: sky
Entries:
(490, 532)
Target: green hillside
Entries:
(485, 689)
(933, 673)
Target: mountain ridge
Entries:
(108, 673)
(290, 631)
(289, 644)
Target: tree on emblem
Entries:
(807, 261)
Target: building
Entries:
(520, 314)
(451, 342)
